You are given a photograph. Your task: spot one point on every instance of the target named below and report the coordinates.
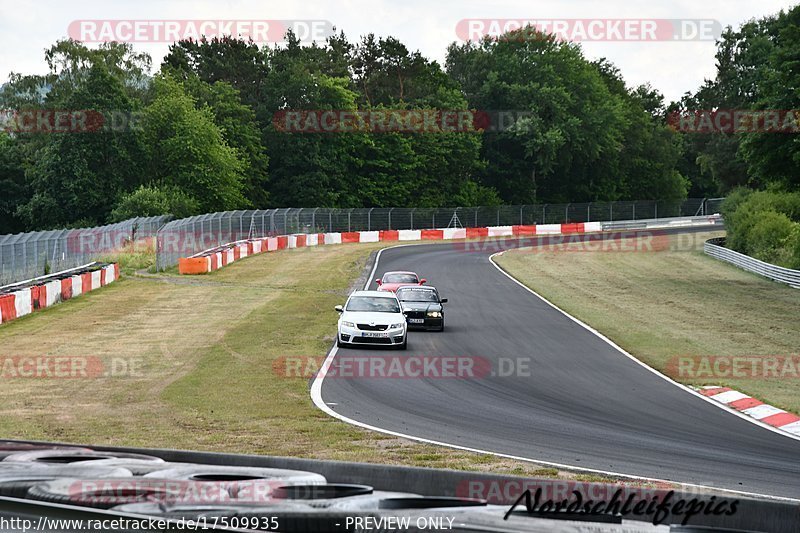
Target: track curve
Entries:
(585, 404)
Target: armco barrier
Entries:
(25, 297)
(215, 258)
(715, 248)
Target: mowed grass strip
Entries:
(661, 305)
(202, 349)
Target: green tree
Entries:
(150, 201)
(775, 157)
(78, 175)
(565, 128)
(188, 151)
(238, 125)
(12, 183)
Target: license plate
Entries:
(374, 334)
(416, 320)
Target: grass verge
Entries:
(678, 302)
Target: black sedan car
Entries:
(423, 307)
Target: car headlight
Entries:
(348, 324)
(435, 314)
(395, 326)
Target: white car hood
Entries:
(361, 317)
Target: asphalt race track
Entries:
(583, 404)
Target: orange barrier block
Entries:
(351, 236)
(389, 235)
(66, 288)
(523, 230)
(193, 265)
(572, 228)
(283, 242)
(86, 282)
(8, 309)
(432, 234)
(38, 297)
(473, 233)
(300, 241)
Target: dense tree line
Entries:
(758, 69)
(200, 134)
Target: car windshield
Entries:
(417, 295)
(400, 278)
(373, 304)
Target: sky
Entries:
(673, 67)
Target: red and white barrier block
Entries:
(211, 260)
(757, 409)
(49, 292)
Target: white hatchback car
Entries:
(372, 317)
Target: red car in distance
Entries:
(391, 281)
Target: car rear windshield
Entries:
(417, 295)
(373, 304)
(400, 278)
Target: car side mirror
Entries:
(339, 309)
(405, 313)
(378, 281)
(423, 281)
(443, 300)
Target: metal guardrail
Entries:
(715, 248)
(676, 222)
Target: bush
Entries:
(767, 238)
(153, 201)
(734, 199)
(764, 225)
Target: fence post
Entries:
(390, 217)
(566, 213)
(369, 219)
(521, 222)
(656, 210)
